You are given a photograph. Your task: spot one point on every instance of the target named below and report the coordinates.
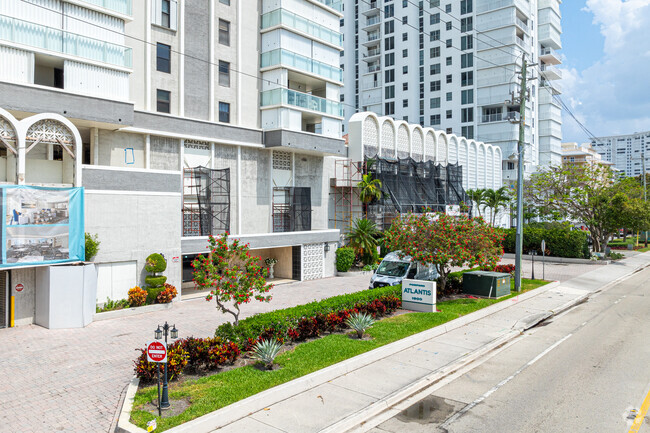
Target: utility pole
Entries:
(519, 239)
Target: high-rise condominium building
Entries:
(454, 65)
(181, 119)
(626, 152)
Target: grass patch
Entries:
(210, 393)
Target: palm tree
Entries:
(369, 190)
(478, 197)
(363, 238)
(496, 200)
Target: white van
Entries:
(393, 269)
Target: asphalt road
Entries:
(586, 370)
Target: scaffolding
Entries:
(345, 194)
(408, 186)
(291, 209)
(206, 201)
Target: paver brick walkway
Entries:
(71, 380)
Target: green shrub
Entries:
(155, 263)
(344, 259)
(92, 246)
(561, 241)
(152, 294)
(155, 281)
(281, 320)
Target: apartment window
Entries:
(224, 32)
(389, 108)
(164, 13)
(389, 59)
(389, 92)
(163, 58)
(467, 96)
(467, 78)
(434, 103)
(449, 131)
(466, 24)
(448, 43)
(449, 96)
(405, 70)
(467, 131)
(467, 60)
(224, 112)
(225, 2)
(224, 73)
(405, 52)
(390, 75)
(166, 9)
(389, 11)
(448, 61)
(405, 103)
(448, 114)
(467, 115)
(434, 18)
(405, 86)
(448, 9)
(405, 36)
(434, 52)
(405, 19)
(435, 119)
(465, 7)
(389, 27)
(466, 42)
(434, 35)
(434, 69)
(163, 99)
(434, 3)
(389, 43)
(448, 25)
(449, 79)
(434, 86)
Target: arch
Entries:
(489, 163)
(403, 140)
(481, 163)
(463, 153)
(430, 145)
(498, 167)
(452, 154)
(387, 146)
(417, 143)
(472, 160)
(370, 136)
(442, 148)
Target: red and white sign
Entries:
(156, 352)
(175, 259)
(19, 287)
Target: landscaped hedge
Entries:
(561, 241)
(344, 259)
(276, 324)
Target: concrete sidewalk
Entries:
(343, 396)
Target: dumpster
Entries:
(486, 284)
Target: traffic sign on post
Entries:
(156, 352)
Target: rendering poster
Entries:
(41, 225)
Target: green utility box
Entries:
(486, 284)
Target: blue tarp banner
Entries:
(41, 225)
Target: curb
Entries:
(254, 403)
(123, 423)
(551, 259)
(126, 312)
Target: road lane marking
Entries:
(636, 425)
(470, 406)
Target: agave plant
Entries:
(360, 322)
(266, 351)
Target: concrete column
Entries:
(239, 183)
(213, 46)
(147, 151)
(22, 155)
(95, 142)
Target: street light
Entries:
(158, 333)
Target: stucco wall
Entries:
(256, 190)
(25, 300)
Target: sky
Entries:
(606, 67)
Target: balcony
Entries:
(62, 42)
(372, 23)
(337, 5)
(369, 83)
(549, 36)
(374, 39)
(521, 24)
(303, 63)
(549, 56)
(373, 8)
(487, 6)
(556, 87)
(546, 97)
(123, 7)
(302, 100)
(551, 73)
(296, 22)
(374, 68)
(489, 118)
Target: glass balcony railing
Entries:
(290, 19)
(496, 117)
(298, 61)
(60, 41)
(334, 4)
(301, 100)
(120, 6)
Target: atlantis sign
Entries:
(419, 295)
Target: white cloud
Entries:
(613, 95)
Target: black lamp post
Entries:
(533, 253)
(165, 330)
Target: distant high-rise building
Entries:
(626, 152)
(455, 66)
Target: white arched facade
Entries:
(22, 136)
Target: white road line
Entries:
(470, 406)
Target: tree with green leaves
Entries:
(478, 197)
(363, 238)
(369, 190)
(496, 200)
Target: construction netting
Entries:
(291, 209)
(206, 201)
(411, 186)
